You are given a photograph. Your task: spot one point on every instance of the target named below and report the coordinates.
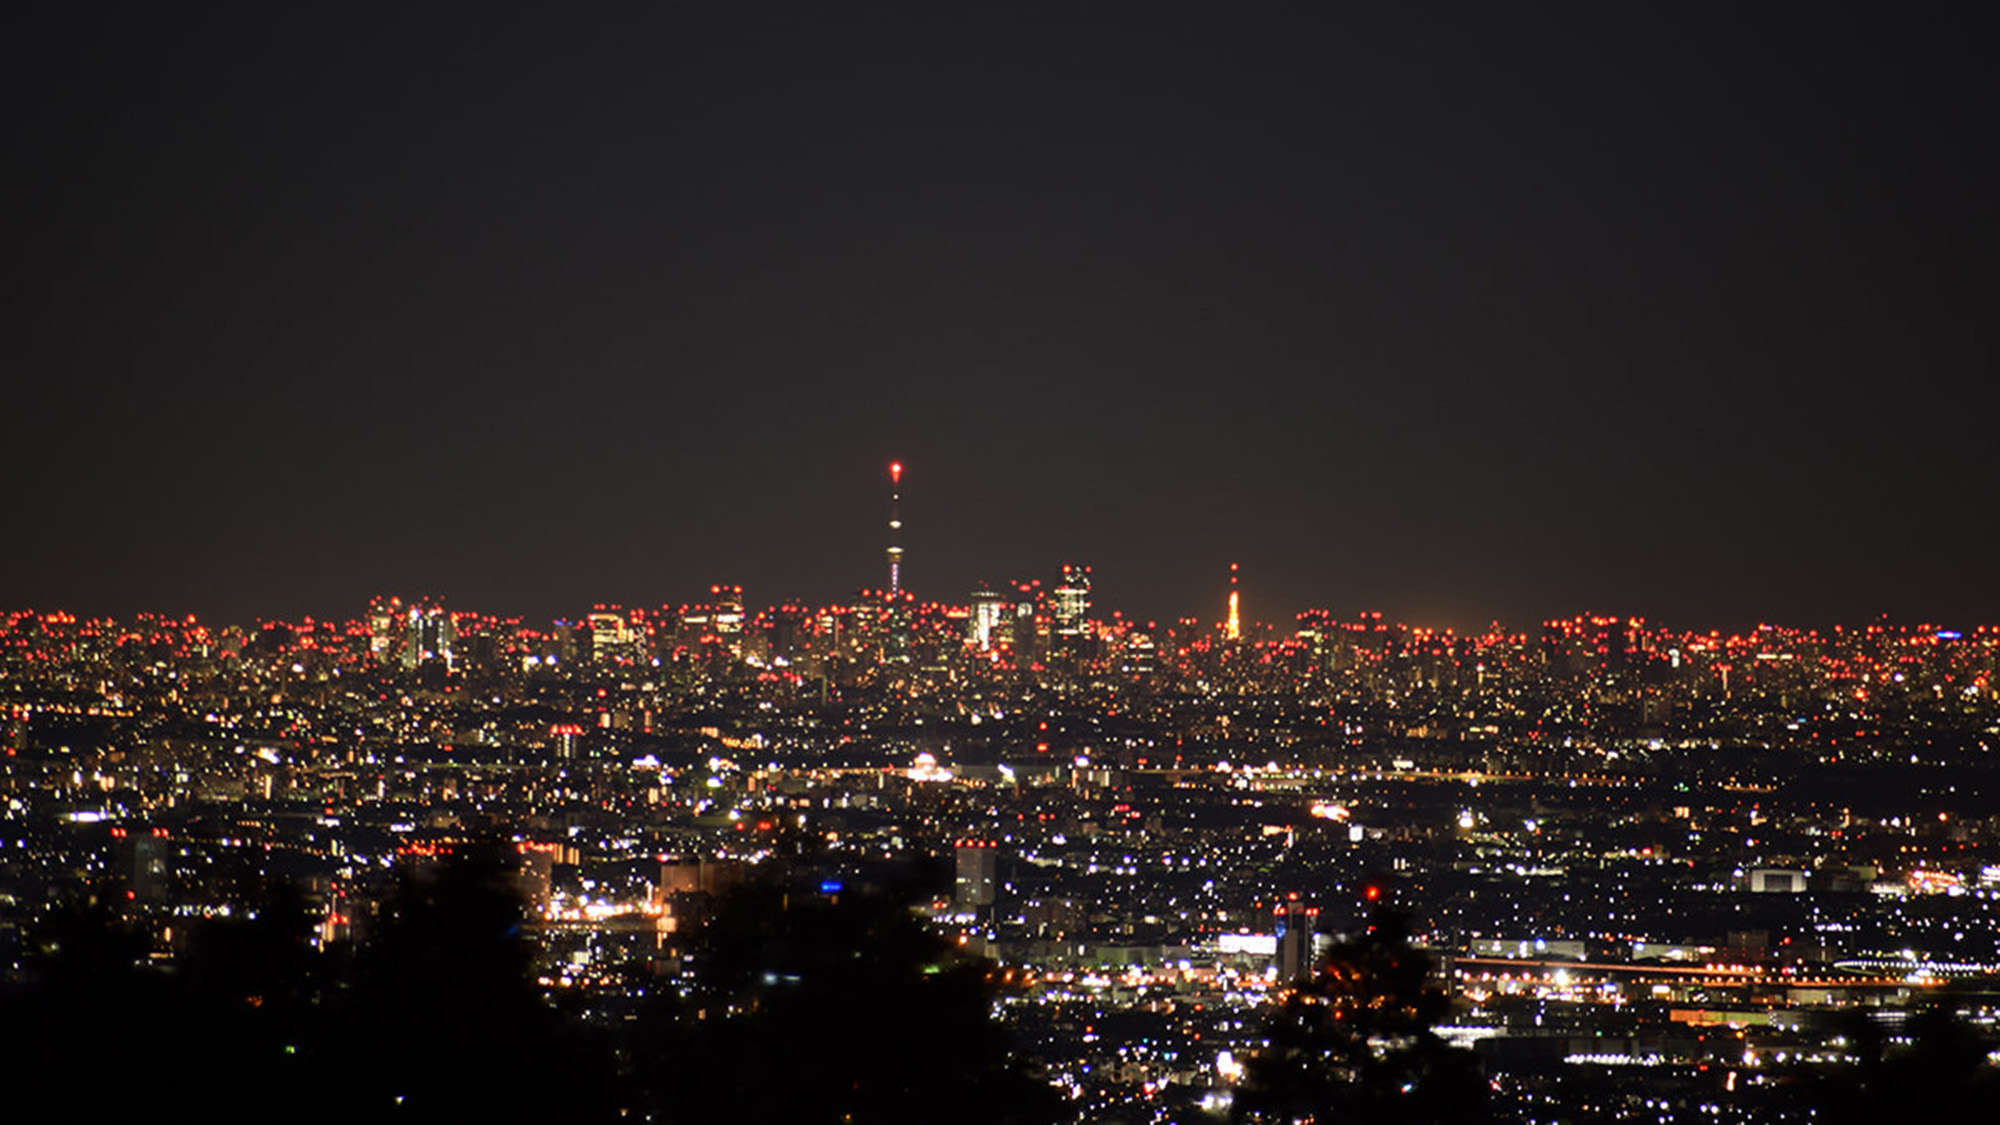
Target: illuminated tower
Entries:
(895, 528)
(1233, 630)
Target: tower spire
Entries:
(895, 528)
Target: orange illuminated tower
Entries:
(895, 528)
(1234, 630)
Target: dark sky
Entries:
(1513, 312)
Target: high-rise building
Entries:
(429, 635)
(141, 856)
(717, 621)
(986, 619)
(790, 629)
(1070, 606)
(385, 621)
(1026, 627)
(1137, 654)
(974, 886)
(1295, 939)
(612, 638)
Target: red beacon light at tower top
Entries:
(895, 472)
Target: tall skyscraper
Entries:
(985, 621)
(718, 620)
(1295, 939)
(1026, 631)
(974, 886)
(895, 528)
(1072, 602)
(430, 636)
(385, 622)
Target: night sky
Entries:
(1513, 313)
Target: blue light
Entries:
(1950, 635)
(829, 887)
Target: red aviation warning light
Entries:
(895, 472)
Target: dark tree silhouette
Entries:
(98, 1027)
(1941, 1074)
(811, 1009)
(440, 1019)
(1354, 1042)
(807, 1009)
(261, 960)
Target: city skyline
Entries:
(667, 858)
(1456, 316)
(1229, 622)
(1219, 612)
